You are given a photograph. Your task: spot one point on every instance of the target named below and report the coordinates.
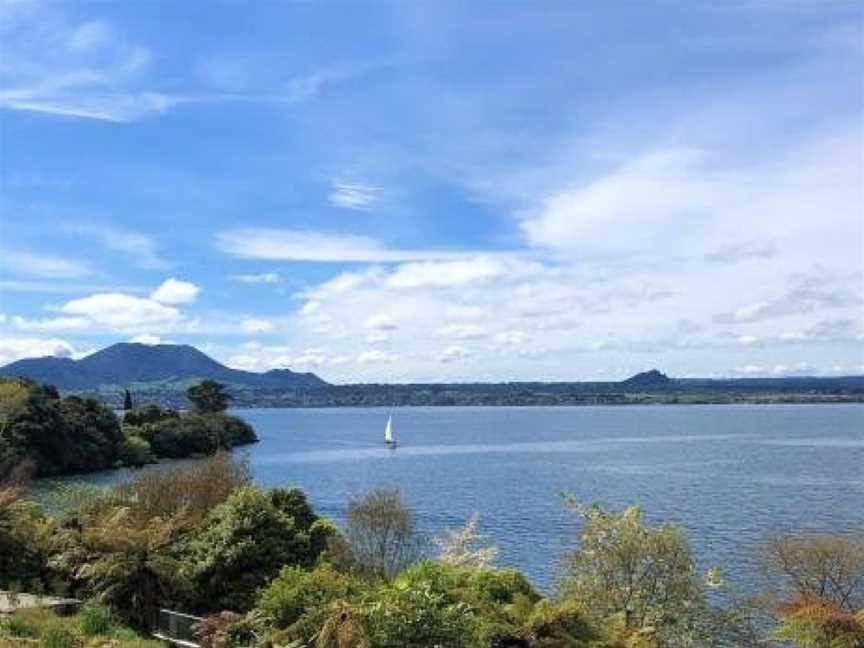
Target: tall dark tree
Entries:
(208, 397)
(127, 400)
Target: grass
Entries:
(93, 627)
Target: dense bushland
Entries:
(264, 569)
(55, 435)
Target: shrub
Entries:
(135, 451)
(148, 414)
(96, 620)
(59, 637)
(197, 487)
(294, 592)
(242, 545)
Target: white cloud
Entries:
(53, 324)
(375, 356)
(302, 245)
(377, 337)
(12, 349)
(354, 195)
(150, 340)
(43, 265)
(380, 322)
(175, 292)
(254, 325)
(446, 274)
(453, 354)
(513, 338)
(120, 312)
(261, 278)
(626, 209)
(462, 331)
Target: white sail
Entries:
(388, 431)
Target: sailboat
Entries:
(389, 439)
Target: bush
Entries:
(148, 414)
(295, 592)
(244, 542)
(197, 488)
(135, 451)
(60, 638)
(96, 620)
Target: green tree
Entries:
(644, 574)
(208, 397)
(244, 542)
(127, 562)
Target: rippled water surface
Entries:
(727, 473)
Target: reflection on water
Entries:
(728, 473)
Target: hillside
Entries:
(126, 364)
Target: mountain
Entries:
(127, 363)
(648, 380)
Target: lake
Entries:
(727, 473)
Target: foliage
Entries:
(296, 592)
(208, 397)
(125, 561)
(148, 414)
(14, 395)
(623, 566)
(193, 489)
(75, 434)
(135, 451)
(39, 626)
(227, 629)
(24, 531)
(197, 434)
(814, 622)
(466, 547)
(812, 565)
(243, 543)
(381, 533)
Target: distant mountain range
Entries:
(161, 373)
(128, 364)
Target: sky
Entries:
(437, 191)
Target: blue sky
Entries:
(435, 190)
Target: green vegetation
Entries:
(50, 435)
(94, 627)
(263, 569)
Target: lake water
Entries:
(727, 473)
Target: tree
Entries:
(467, 547)
(127, 400)
(127, 562)
(645, 574)
(208, 397)
(829, 567)
(811, 622)
(381, 533)
(243, 543)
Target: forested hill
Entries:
(162, 373)
(127, 364)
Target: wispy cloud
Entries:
(141, 247)
(304, 245)
(90, 70)
(354, 195)
(260, 278)
(43, 266)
